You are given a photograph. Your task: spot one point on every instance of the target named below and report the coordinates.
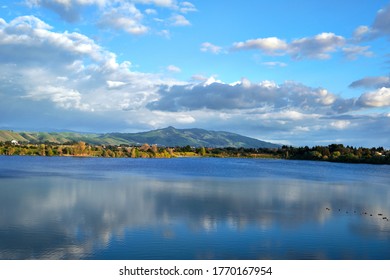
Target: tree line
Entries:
(334, 152)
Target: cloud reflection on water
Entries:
(70, 218)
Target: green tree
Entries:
(315, 155)
(202, 151)
(187, 149)
(336, 154)
(49, 151)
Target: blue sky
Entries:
(293, 72)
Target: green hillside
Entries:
(195, 137)
(52, 137)
(169, 137)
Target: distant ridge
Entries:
(169, 137)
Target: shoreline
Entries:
(193, 156)
(331, 153)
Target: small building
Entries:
(14, 142)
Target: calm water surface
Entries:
(192, 208)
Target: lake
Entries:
(192, 208)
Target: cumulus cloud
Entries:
(125, 17)
(376, 98)
(317, 47)
(215, 95)
(321, 46)
(69, 10)
(209, 47)
(68, 69)
(29, 40)
(117, 14)
(381, 25)
(179, 20)
(266, 99)
(271, 45)
(379, 28)
(61, 96)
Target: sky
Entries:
(295, 72)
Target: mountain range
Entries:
(169, 137)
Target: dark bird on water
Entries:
(362, 213)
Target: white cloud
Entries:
(30, 33)
(216, 95)
(317, 47)
(376, 98)
(161, 3)
(61, 96)
(353, 52)
(23, 23)
(125, 17)
(117, 14)
(69, 10)
(39, 56)
(186, 7)
(211, 80)
(115, 84)
(381, 25)
(273, 64)
(379, 28)
(208, 47)
(268, 84)
(286, 115)
(325, 97)
(271, 45)
(173, 68)
(361, 32)
(165, 33)
(179, 20)
(150, 12)
(340, 124)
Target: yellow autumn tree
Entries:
(79, 148)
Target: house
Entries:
(14, 142)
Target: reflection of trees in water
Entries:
(59, 218)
